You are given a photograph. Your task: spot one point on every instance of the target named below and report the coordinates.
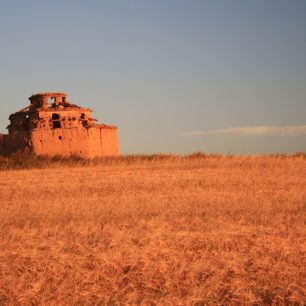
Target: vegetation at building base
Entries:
(154, 230)
(28, 160)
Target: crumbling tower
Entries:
(51, 125)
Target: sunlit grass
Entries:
(161, 229)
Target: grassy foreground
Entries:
(156, 230)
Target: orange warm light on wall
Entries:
(52, 126)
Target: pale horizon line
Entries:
(289, 130)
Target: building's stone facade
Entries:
(52, 126)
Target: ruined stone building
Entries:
(52, 126)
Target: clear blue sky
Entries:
(175, 76)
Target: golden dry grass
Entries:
(172, 231)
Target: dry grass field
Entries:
(206, 230)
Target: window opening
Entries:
(82, 116)
(50, 101)
(56, 121)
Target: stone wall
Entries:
(2, 143)
(88, 143)
(53, 126)
(14, 142)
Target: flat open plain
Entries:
(173, 231)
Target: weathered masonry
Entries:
(52, 126)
